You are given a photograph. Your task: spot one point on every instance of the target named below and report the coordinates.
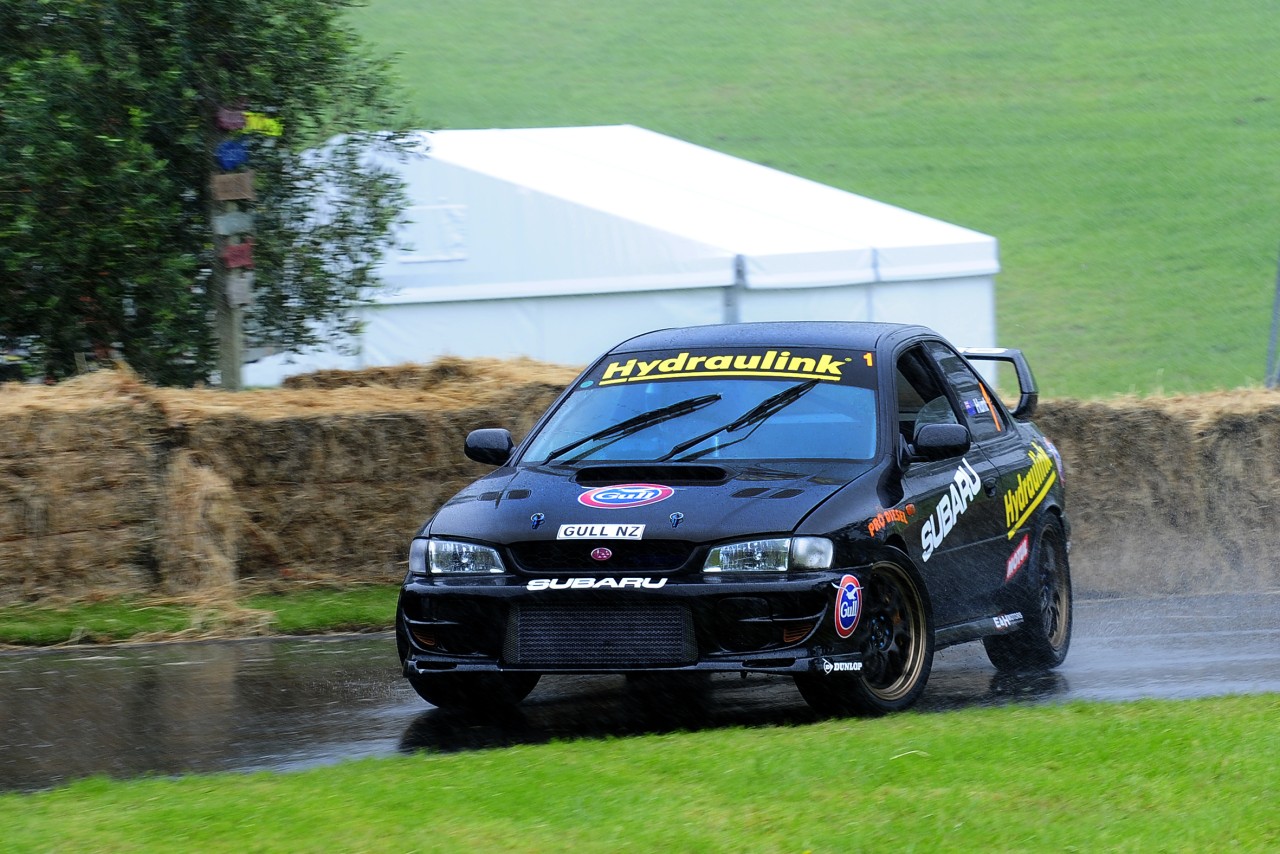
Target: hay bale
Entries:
(1132, 478)
(1240, 485)
(78, 490)
(356, 532)
(477, 378)
(78, 565)
(1172, 495)
(201, 526)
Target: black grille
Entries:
(569, 636)
(552, 556)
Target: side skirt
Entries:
(1001, 624)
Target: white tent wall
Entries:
(565, 329)
(474, 236)
(963, 310)
(555, 243)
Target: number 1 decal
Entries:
(870, 363)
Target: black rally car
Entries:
(827, 501)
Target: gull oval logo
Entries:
(625, 495)
(601, 554)
(848, 605)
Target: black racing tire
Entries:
(897, 648)
(474, 690)
(1045, 636)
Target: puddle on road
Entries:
(296, 703)
(178, 708)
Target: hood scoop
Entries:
(669, 475)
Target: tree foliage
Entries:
(107, 137)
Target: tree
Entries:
(108, 130)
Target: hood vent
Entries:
(670, 475)
(761, 492)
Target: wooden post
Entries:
(230, 324)
(233, 254)
(1273, 370)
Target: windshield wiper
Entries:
(753, 416)
(638, 422)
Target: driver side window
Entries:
(981, 414)
(921, 396)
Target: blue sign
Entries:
(231, 154)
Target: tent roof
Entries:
(791, 231)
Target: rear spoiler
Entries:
(1028, 395)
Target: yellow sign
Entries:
(263, 124)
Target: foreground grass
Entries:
(309, 611)
(1149, 776)
(1123, 154)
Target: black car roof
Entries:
(791, 333)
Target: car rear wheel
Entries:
(474, 690)
(897, 649)
(1045, 636)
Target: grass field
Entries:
(302, 612)
(1149, 776)
(1125, 155)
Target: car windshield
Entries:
(745, 404)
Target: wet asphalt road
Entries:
(295, 703)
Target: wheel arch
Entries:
(895, 549)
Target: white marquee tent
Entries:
(555, 243)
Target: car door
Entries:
(957, 536)
(1003, 445)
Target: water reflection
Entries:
(178, 708)
(295, 703)
(282, 704)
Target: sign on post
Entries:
(240, 288)
(233, 222)
(233, 187)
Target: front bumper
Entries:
(675, 624)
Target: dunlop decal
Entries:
(1021, 501)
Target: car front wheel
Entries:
(897, 649)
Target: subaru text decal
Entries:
(595, 583)
(964, 487)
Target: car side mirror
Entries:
(1028, 395)
(491, 445)
(940, 441)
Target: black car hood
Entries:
(696, 503)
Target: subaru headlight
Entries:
(777, 555)
(451, 557)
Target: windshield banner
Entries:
(856, 368)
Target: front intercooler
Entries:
(590, 636)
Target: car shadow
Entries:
(586, 707)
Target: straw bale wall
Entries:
(109, 486)
(78, 488)
(1172, 495)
